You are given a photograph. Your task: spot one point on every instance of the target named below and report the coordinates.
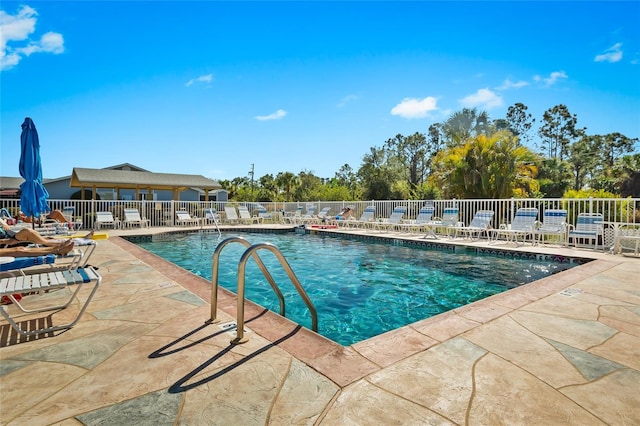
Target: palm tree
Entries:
(486, 167)
(286, 181)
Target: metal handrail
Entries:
(214, 276)
(215, 222)
(251, 251)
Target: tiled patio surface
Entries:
(563, 350)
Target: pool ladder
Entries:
(252, 251)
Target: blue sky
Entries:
(212, 87)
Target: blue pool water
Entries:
(360, 288)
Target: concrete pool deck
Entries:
(562, 350)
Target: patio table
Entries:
(616, 248)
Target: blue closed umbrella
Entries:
(33, 199)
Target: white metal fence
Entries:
(163, 213)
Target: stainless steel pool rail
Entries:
(251, 252)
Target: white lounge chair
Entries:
(295, 217)
(523, 225)
(394, 221)
(183, 217)
(132, 217)
(448, 222)
(554, 224)
(262, 213)
(210, 216)
(231, 215)
(21, 263)
(245, 216)
(39, 283)
(366, 219)
(322, 214)
(588, 227)
(106, 219)
(480, 223)
(310, 214)
(425, 216)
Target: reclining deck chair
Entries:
(184, 218)
(39, 283)
(480, 223)
(245, 216)
(295, 217)
(132, 217)
(394, 221)
(554, 223)
(231, 215)
(21, 263)
(448, 221)
(365, 220)
(322, 215)
(210, 216)
(523, 225)
(106, 219)
(262, 212)
(425, 216)
(588, 227)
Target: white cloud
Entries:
(612, 54)
(415, 108)
(14, 38)
(344, 101)
(552, 79)
(274, 116)
(484, 98)
(208, 78)
(508, 84)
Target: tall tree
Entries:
(465, 124)
(411, 155)
(614, 146)
(629, 166)
(286, 181)
(434, 137)
(347, 177)
(558, 131)
(519, 121)
(375, 175)
(583, 158)
(308, 188)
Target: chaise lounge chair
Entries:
(366, 219)
(588, 227)
(394, 221)
(21, 263)
(184, 218)
(523, 225)
(231, 215)
(554, 224)
(40, 283)
(425, 216)
(295, 217)
(106, 219)
(245, 216)
(262, 213)
(448, 222)
(480, 223)
(322, 215)
(132, 217)
(210, 216)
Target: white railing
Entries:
(162, 213)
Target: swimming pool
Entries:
(360, 288)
